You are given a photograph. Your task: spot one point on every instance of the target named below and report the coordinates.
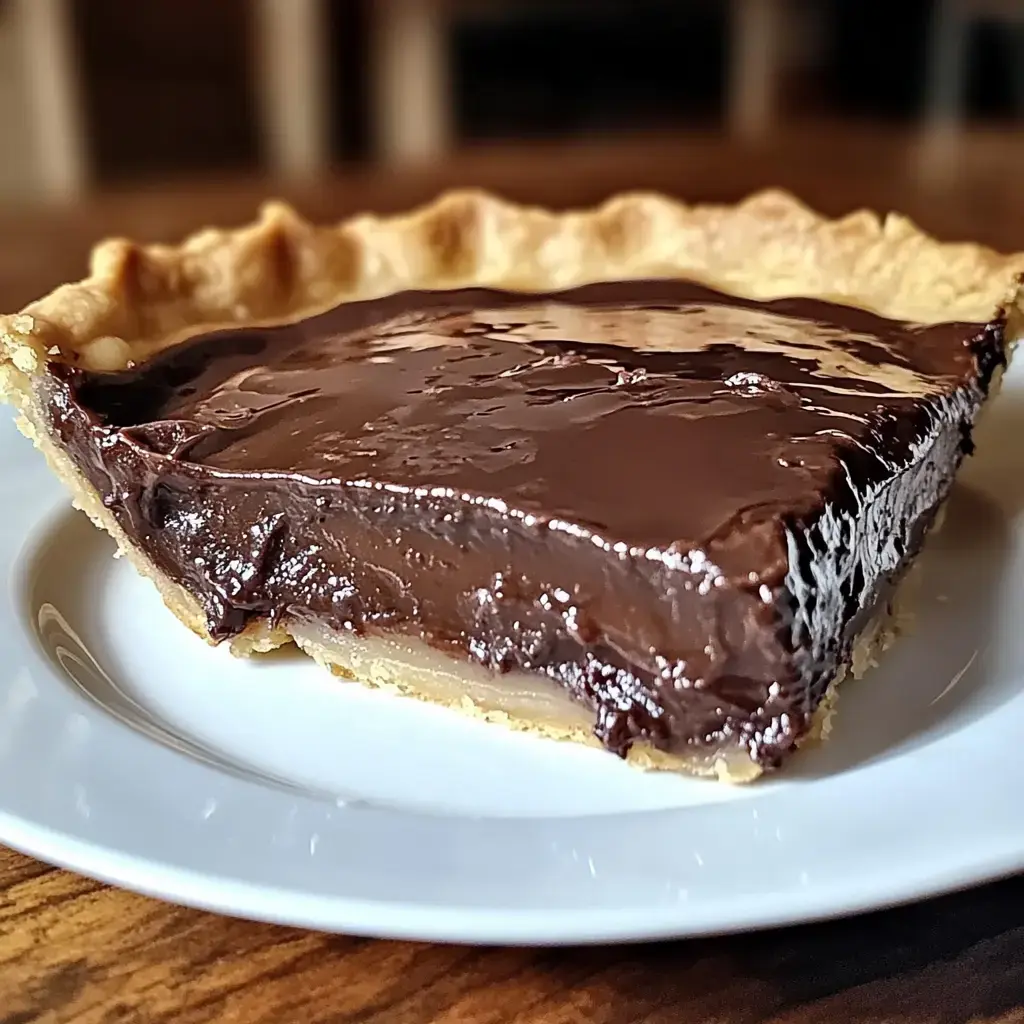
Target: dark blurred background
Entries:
(168, 85)
(150, 116)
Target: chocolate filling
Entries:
(678, 505)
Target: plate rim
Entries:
(483, 927)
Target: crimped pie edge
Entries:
(140, 298)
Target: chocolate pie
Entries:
(646, 476)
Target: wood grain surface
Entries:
(73, 950)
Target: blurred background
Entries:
(152, 117)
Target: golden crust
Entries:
(137, 299)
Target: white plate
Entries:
(269, 790)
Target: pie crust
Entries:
(139, 299)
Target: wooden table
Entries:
(72, 950)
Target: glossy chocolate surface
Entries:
(678, 505)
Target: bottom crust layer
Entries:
(524, 704)
(413, 669)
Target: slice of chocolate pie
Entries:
(645, 476)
